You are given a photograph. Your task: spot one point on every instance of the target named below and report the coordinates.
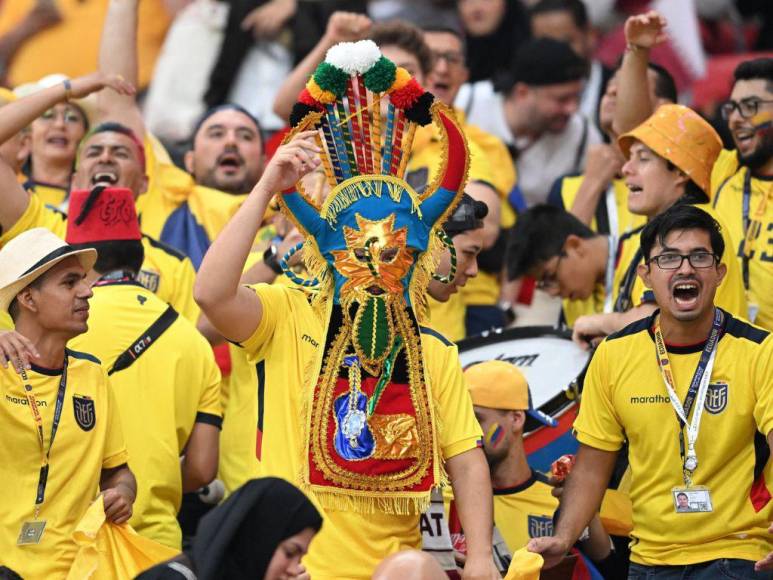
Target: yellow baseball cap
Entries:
(497, 384)
(683, 137)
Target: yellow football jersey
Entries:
(287, 340)
(174, 384)
(448, 317)
(624, 398)
(165, 271)
(525, 511)
(89, 439)
(730, 294)
(728, 182)
(49, 194)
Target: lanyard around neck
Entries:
(697, 391)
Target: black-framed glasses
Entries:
(671, 261)
(746, 107)
(451, 57)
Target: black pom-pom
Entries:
(419, 112)
(300, 110)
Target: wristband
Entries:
(634, 48)
(67, 90)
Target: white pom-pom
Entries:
(353, 57)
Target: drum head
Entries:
(547, 357)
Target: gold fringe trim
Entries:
(366, 503)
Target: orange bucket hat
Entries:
(683, 137)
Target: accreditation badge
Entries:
(31, 532)
(693, 499)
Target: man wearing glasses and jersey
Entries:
(742, 183)
(691, 390)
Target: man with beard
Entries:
(742, 181)
(183, 209)
(536, 116)
(110, 155)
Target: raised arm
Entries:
(342, 27)
(118, 56)
(19, 114)
(580, 501)
(634, 103)
(234, 310)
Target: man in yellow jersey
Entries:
(278, 325)
(690, 388)
(742, 182)
(109, 155)
(670, 157)
(523, 500)
(162, 370)
(185, 209)
(62, 437)
(465, 228)
(567, 259)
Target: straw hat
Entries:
(31, 254)
(683, 137)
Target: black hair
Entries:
(113, 127)
(467, 216)
(758, 68)
(224, 107)
(13, 306)
(539, 234)
(117, 255)
(665, 85)
(681, 216)
(576, 8)
(448, 28)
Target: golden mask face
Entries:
(376, 258)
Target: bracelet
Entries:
(67, 90)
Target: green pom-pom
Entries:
(380, 76)
(331, 78)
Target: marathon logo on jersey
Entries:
(540, 526)
(148, 279)
(716, 398)
(85, 415)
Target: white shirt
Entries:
(539, 163)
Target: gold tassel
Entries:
(406, 149)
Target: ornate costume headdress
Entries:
(371, 427)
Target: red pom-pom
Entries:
(405, 98)
(306, 98)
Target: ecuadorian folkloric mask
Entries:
(370, 249)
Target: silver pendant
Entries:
(691, 463)
(352, 425)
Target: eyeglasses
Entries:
(674, 261)
(747, 108)
(549, 280)
(451, 58)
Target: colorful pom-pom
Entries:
(331, 78)
(354, 57)
(306, 98)
(402, 78)
(318, 94)
(380, 76)
(407, 96)
(420, 111)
